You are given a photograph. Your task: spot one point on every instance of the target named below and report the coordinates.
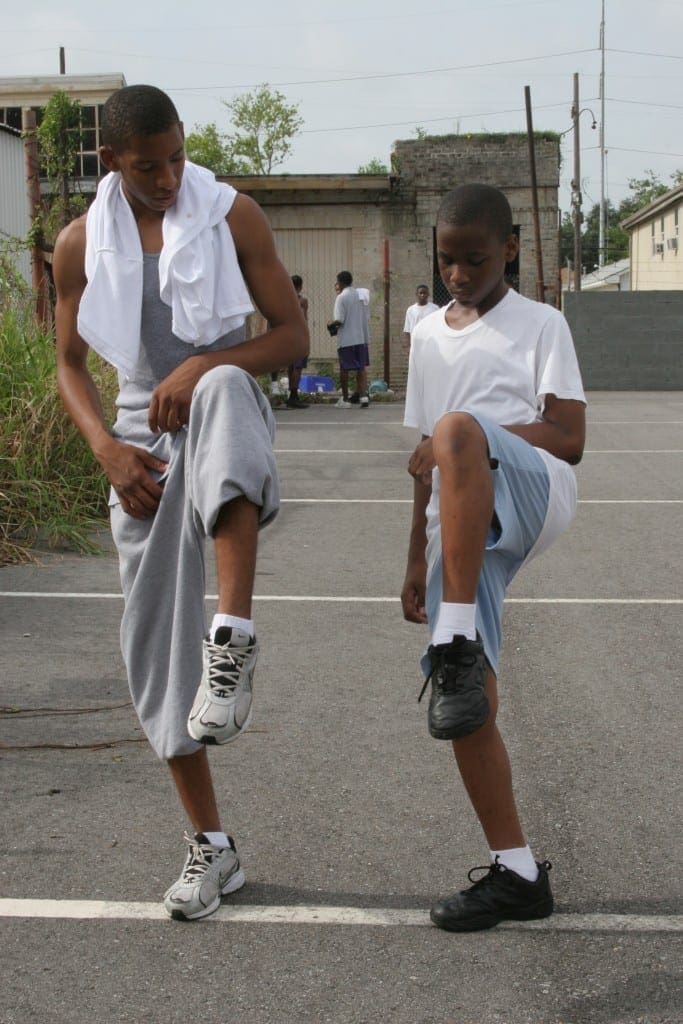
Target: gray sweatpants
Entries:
(225, 452)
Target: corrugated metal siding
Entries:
(317, 255)
(14, 215)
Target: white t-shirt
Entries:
(501, 366)
(415, 313)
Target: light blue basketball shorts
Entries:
(534, 501)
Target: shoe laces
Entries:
(466, 660)
(199, 858)
(225, 666)
(494, 869)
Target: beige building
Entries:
(655, 244)
(91, 91)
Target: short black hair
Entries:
(136, 110)
(297, 281)
(344, 278)
(421, 286)
(477, 204)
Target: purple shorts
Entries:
(353, 357)
(300, 364)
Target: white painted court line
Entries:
(79, 910)
(409, 501)
(81, 595)
(399, 423)
(409, 451)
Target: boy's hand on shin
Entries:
(128, 471)
(421, 462)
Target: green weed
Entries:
(52, 491)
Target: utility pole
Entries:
(386, 275)
(32, 170)
(62, 61)
(576, 188)
(540, 283)
(601, 234)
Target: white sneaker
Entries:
(364, 401)
(342, 404)
(275, 389)
(209, 873)
(222, 706)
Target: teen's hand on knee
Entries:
(413, 598)
(421, 462)
(128, 471)
(169, 408)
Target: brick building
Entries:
(327, 223)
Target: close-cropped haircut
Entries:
(345, 279)
(477, 204)
(297, 280)
(136, 110)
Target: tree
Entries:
(210, 148)
(643, 191)
(59, 141)
(374, 166)
(264, 126)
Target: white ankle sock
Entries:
(233, 621)
(454, 620)
(520, 859)
(217, 839)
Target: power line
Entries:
(428, 120)
(389, 74)
(648, 152)
(641, 53)
(646, 103)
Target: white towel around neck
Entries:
(199, 275)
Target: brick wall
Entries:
(428, 168)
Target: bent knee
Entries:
(458, 432)
(222, 377)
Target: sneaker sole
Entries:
(210, 739)
(234, 883)
(478, 924)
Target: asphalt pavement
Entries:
(350, 821)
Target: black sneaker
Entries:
(501, 895)
(296, 403)
(354, 399)
(458, 704)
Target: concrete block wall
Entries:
(628, 340)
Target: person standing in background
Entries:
(421, 308)
(351, 327)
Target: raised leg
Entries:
(465, 503)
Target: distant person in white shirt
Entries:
(418, 311)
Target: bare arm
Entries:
(414, 588)
(126, 467)
(562, 431)
(284, 341)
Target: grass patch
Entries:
(52, 490)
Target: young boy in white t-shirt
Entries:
(495, 388)
(421, 308)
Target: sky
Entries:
(368, 72)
